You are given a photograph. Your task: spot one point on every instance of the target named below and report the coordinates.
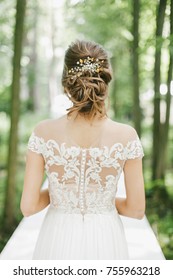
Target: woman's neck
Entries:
(84, 120)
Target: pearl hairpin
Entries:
(87, 64)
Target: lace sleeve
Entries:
(35, 144)
(134, 149)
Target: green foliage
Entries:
(159, 211)
(7, 12)
(5, 100)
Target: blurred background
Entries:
(138, 35)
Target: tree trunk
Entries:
(157, 136)
(165, 131)
(53, 69)
(9, 207)
(34, 103)
(135, 65)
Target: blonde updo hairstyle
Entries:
(87, 90)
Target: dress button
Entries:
(82, 179)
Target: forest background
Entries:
(138, 35)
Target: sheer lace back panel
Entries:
(83, 180)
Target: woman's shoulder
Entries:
(47, 126)
(128, 136)
(123, 129)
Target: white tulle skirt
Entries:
(70, 237)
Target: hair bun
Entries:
(86, 81)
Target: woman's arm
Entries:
(33, 199)
(134, 204)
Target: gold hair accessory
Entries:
(87, 64)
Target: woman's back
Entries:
(84, 161)
(82, 133)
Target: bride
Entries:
(83, 154)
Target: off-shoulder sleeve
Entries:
(134, 149)
(35, 143)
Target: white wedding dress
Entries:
(82, 221)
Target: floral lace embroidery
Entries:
(134, 149)
(83, 180)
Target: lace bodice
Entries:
(83, 180)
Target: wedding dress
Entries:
(82, 221)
